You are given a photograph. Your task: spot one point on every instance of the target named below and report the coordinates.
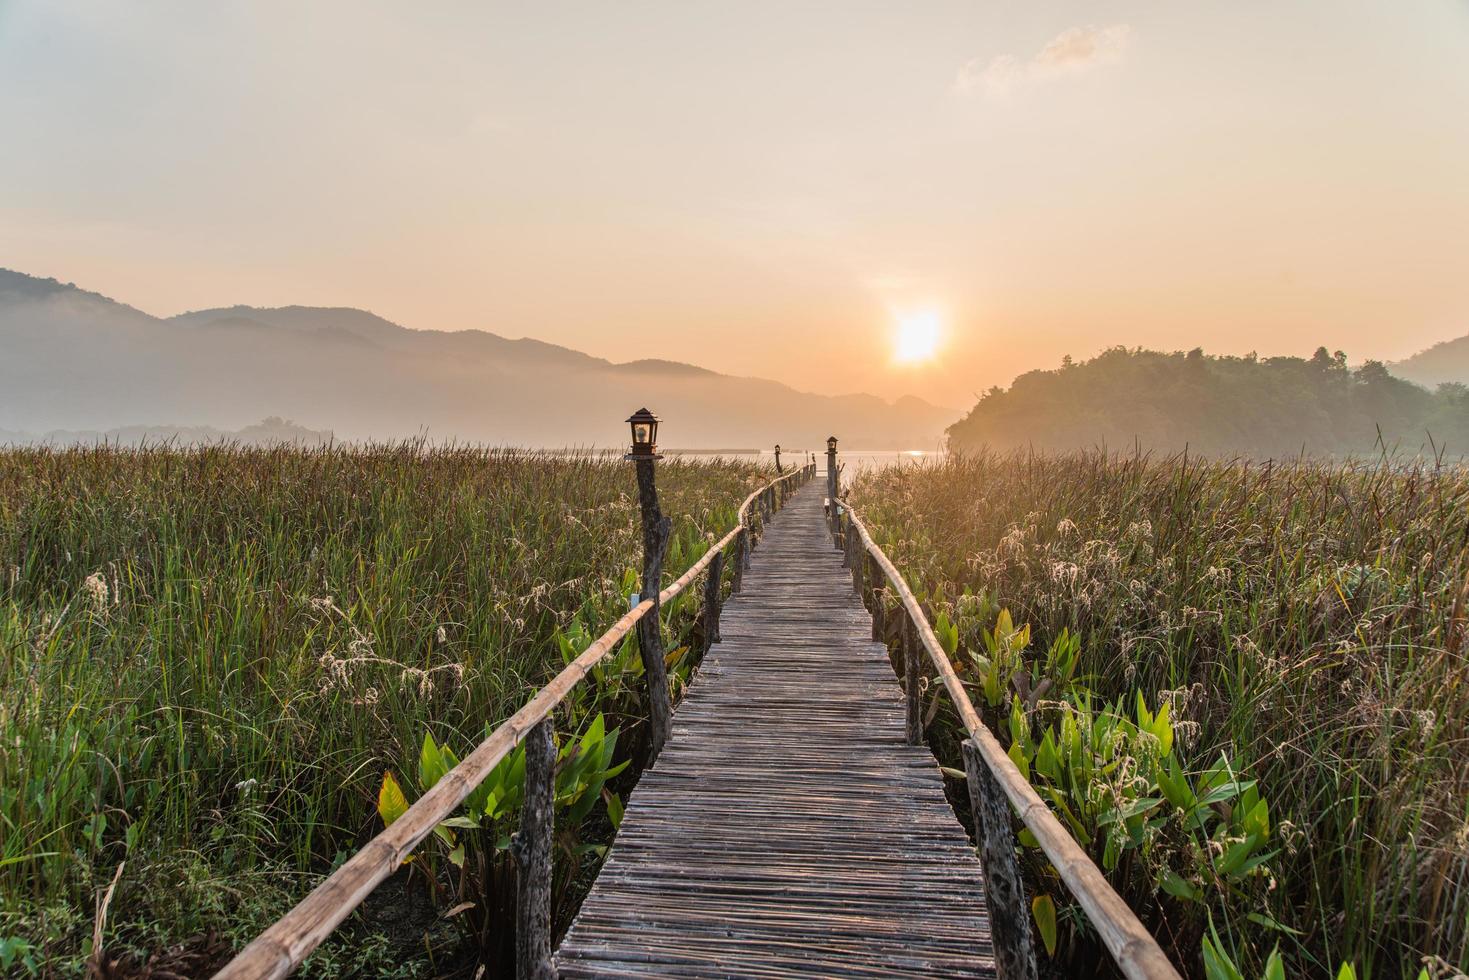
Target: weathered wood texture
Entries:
(787, 829)
(656, 530)
(1014, 948)
(713, 598)
(531, 849)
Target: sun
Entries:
(917, 336)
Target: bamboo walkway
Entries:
(787, 829)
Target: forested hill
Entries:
(1262, 407)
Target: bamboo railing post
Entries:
(713, 582)
(1009, 913)
(910, 682)
(855, 554)
(531, 849)
(650, 628)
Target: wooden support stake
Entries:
(656, 533)
(713, 584)
(831, 489)
(911, 653)
(741, 546)
(879, 610)
(531, 849)
(1009, 913)
(855, 556)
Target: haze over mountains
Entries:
(1443, 363)
(76, 360)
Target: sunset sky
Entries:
(762, 188)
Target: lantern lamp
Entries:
(831, 444)
(644, 426)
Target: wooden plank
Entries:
(787, 829)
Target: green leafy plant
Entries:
(475, 842)
(18, 955)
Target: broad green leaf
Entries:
(1128, 811)
(431, 766)
(1172, 883)
(1261, 919)
(1237, 853)
(1017, 756)
(462, 823)
(1163, 729)
(1044, 911)
(1257, 819)
(1174, 785)
(1046, 761)
(1224, 792)
(1275, 966)
(1217, 964)
(614, 808)
(391, 803)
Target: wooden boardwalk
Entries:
(787, 830)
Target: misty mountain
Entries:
(268, 432)
(1442, 363)
(76, 360)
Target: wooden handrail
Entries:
(1132, 946)
(282, 947)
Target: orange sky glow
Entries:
(783, 190)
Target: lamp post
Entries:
(778, 470)
(643, 455)
(831, 480)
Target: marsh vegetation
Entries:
(1240, 685)
(212, 660)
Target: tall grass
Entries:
(208, 659)
(1304, 622)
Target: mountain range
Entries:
(76, 360)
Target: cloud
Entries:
(1075, 50)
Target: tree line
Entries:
(1273, 406)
